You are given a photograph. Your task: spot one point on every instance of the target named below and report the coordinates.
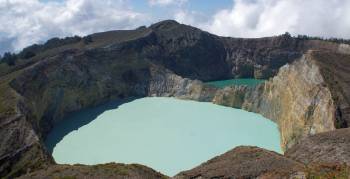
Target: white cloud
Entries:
(193, 18)
(24, 22)
(166, 2)
(30, 21)
(184, 17)
(257, 18)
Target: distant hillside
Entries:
(173, 44)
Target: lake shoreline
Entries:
(183, 123)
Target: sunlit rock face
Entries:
(298, 99)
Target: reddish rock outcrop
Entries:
(103, 171)
(324, 148)
(246, 162)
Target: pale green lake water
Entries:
(166, 134)
(248, 82)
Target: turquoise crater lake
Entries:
(166, 134)
(232, 82)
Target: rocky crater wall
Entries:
(297, 99)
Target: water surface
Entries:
(166, 134)
(248, 82)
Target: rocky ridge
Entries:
(247, 162)
(102, 171)
(327, 147)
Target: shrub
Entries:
(87, 39)
(9, 58)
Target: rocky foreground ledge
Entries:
(307, 96)
(103, 171)
(324, 155)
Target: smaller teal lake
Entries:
(248, 82)
(166, 134)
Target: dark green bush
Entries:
(9, 58)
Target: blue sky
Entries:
(206, 6)
(24, 22)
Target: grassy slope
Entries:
(8, 97)
(99, 40)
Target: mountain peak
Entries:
(165, 24)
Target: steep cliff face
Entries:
(252, 58)
(165, 83)
(21, 149)
(188, 51)
(262, 58)
(20, 146)
(192, 53)
(299, 98)
(335, 69)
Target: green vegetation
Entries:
(329, 172)
(305, 37)
(67, 177)
(8, 97)
(9, 58)
(87, 39)
(12, 62)
(27, 55)
(29, 161)
(34, 49)
(335, 40)
(54, 46)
